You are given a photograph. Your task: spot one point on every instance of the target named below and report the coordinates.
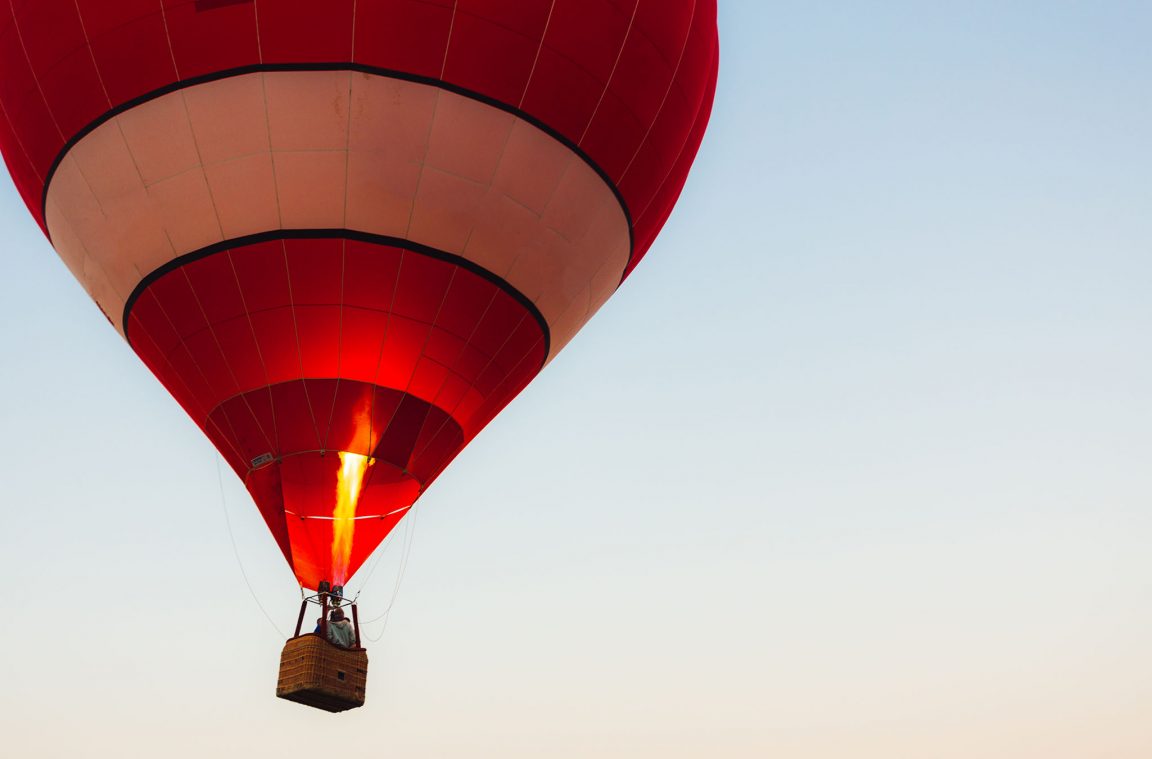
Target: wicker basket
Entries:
(317, 673)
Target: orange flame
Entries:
(348, 485)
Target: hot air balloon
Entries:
(345, 234)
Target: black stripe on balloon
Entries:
(358, 67)
(345, 234)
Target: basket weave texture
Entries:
(317, 673)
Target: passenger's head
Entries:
(336, 615)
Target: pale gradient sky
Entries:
(855, 466)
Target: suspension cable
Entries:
(236, 551)
(376, 561)
(409, 537)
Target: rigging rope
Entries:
(236, 551)
(383, 550)
(409, 536)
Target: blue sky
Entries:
(855, 465)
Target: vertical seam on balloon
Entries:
(259, 352)
(491, 180)
(447, 42)
(671, 84)
(380, 356)
(450, 414)
(182, 344)
(416, 454)
(168, 37)
(547, 201)
(201, 165)
(538, 343)
(24, 150)
(539, 49)
(135, 165)
(299, 348)
(466, 343)
(230, 435)
(310, 544)
(412, 376)
(701, 108)
(347, 151)
(602, 298)
(12, 127)
(271, 150)
(496, 168)
(689, 139)
(422, 357)
(256, 25)
(220, 348)
(587, 294)
(491, 360)
(415, 367)
(142, 327)
(128, 149)
(436, 399)
(164, 357)
(92, 53)
(520, 254)
(352, 45)
(423, 163)
(459, 354)
(92, 192)
(32, 69)
(339, 339)
(611, 74)
(594, 305)
(100, 265)
(83, 266)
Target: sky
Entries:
(854, 466)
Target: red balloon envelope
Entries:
(345, 234)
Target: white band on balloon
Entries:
(337, 150)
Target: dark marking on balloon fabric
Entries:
(341, 234)
(207, 5)
(344, 66)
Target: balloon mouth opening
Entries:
(328, 498)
